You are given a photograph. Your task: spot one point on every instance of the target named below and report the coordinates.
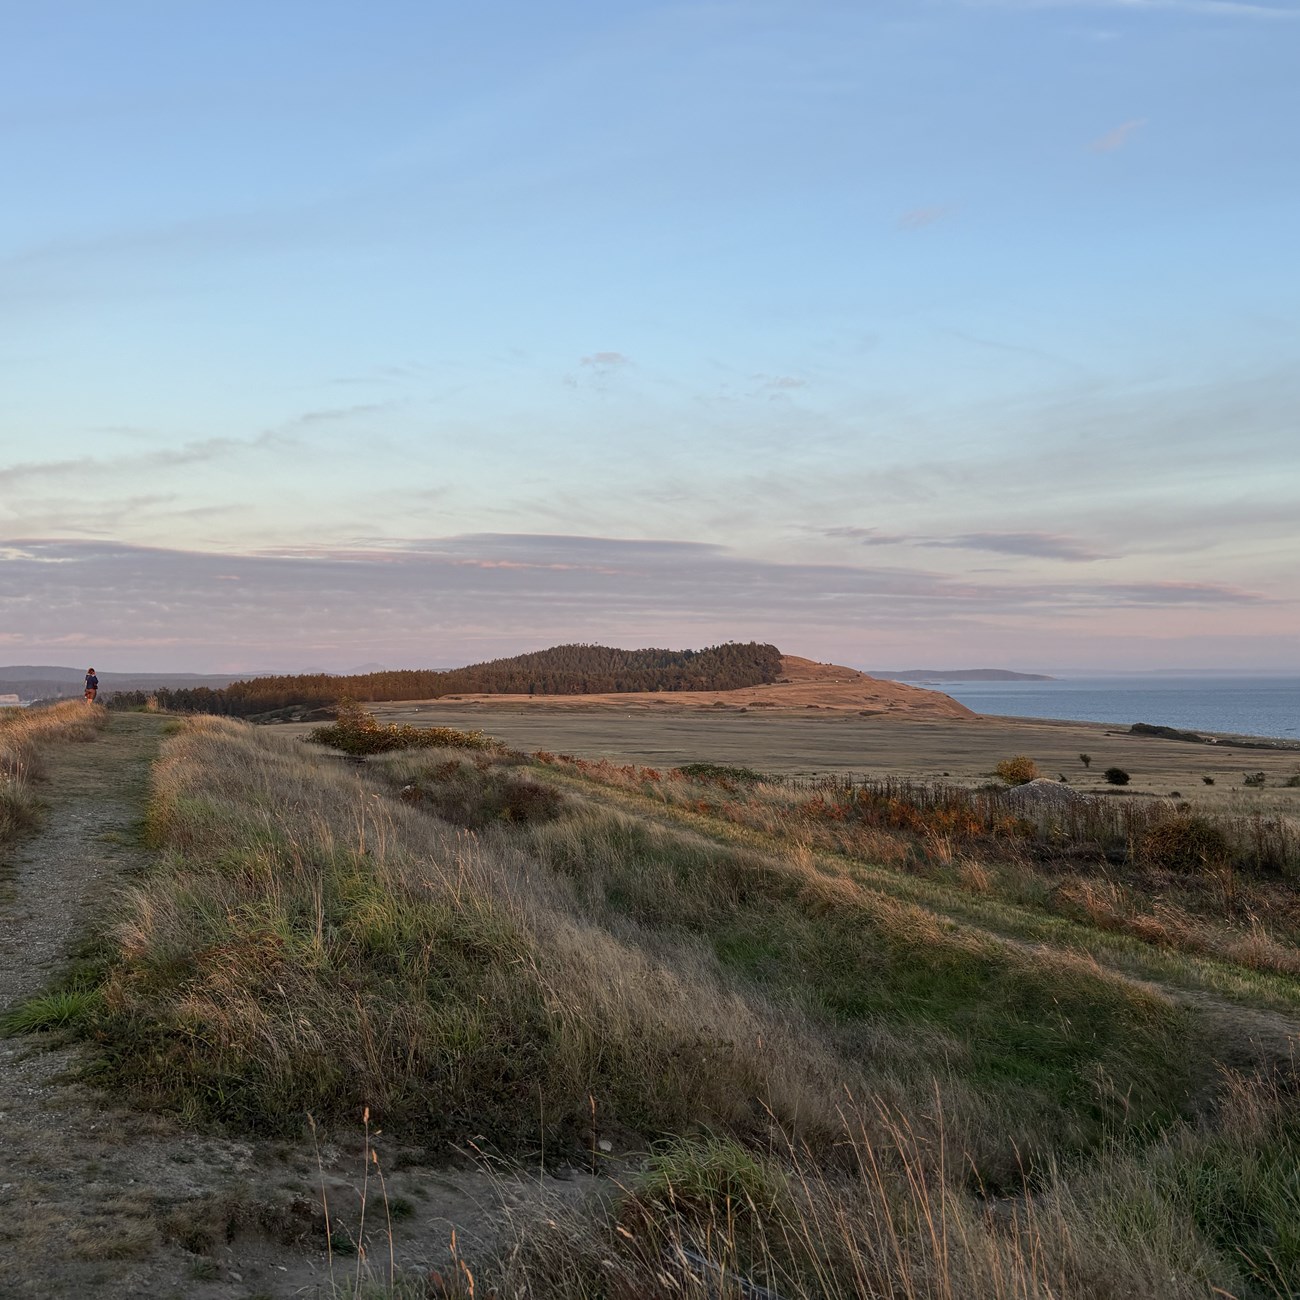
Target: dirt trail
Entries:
(99, 1199)
(54, 883)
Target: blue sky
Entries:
(932, 332)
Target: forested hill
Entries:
(561, 670)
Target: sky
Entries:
(896, 332)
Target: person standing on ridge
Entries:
(92, 686)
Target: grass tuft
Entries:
(70, 1008)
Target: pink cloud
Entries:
(1117, 138)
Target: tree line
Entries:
(562, 670)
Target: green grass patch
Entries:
(1079, 1051)
(59, 1009)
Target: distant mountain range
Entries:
(959, 675)
(46, 681)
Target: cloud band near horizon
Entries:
(442, 601)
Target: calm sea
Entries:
(1246, 706)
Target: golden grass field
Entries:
(799, 743)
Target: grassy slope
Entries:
(1012, 904)
(833, 1057)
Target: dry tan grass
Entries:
(1188, 881)
(318, 946)
(899, 746)
(1159, 1222)
(843, 1094)
(337, 876)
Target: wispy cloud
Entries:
(1034, 545)
(1117, 138)
(1043, 546)
(867, 536)
(919, 218)
(1219, 8)
(606, 360)
(332, 414)
(200, 452)
(1162, 595)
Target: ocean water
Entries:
(1246, 706)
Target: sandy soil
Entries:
(98, 1199)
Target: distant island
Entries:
(745, 676)
(573, 669)
(960, 675)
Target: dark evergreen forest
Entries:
(561, 670)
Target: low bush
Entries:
(358, 733)
(1186, 842)
(1017, 771)
(721, 773)
(1116, 776)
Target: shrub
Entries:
(1188, 842)
(1256, 779)
(1085, 759)
(721, 773)
(528, 801)
(358, 733)
(1116, 776)
(1018, 770)
(1292, 782)
(1209, 780)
